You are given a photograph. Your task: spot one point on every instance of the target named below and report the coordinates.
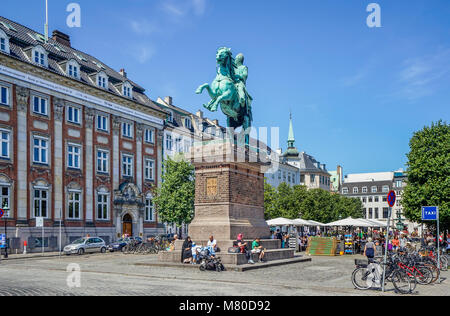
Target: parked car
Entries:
(122, 242)
(86, 245)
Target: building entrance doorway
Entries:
(127, 225)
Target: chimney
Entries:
(168, 100)
(216, 122)
(123, 73)
(61, 38)
(200, 114)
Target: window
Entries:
(102, 80)
(4, 95)
(4, 197)
(73, 69)
(127, 130)
(102, 206)
(364, 199)
(384, 199)
(370, 199)
(170, 117)
(365, 212)
(149, 209)
(385, 212)
(355, 190)
(40, 203)
(376, 199)
(370, 213)
(4, 41)
(374, 189)
(345, 191)
(4, 144)
(127, 90)
(169, 142)
(313, 178)
(364, 190)
(102, 161)
(398, 183)
(3, 44)
(149, 136)
(74, 211)
(39, 58)
(385, 188)
(102, 123)
(127, 166)
(73, 115)
(187, 123)
(149, 169)
(40, 105)
(40, 150)
(187, 146)
(73, 156)
(376, 213)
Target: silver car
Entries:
(86, 245)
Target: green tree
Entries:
(428, 171)
(175, 198)
(270, 202)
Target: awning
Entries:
(281, 221)
(350, 222)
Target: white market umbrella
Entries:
(350, 222)
(315, 223)
(281, 221)
(374, 222)
(301, 222)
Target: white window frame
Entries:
(373, 189)
(101, 161)
(169, 141)
(149, 169)
(7, 142)
(385, 189)
(103, 204)
(41, 149)
(72, 155)
(5, 39)
(364, 190)
(187, 123)
(170, 116)
(73, 69)
(73, 201)
(149, 135)
(5, 197)
(344, 190)
(102, 80)
(42, 58)
(127, 90)
(40, 199)
(8, 94)
(74, 110)
(149, 214)
(355, 190)
(129, 128)
(104, 121)
(40, 99)
(127, 166)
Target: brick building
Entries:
(81, 144)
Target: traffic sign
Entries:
(2, 241)
(39, 222)
(430, 213)
(391, 198)
(2, 212)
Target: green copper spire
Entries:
(291, 138)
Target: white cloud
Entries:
(143, 53)
(143, 27)
(423, 76)
(180, 8)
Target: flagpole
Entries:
(46, 21)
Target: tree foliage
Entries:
(175, 198)
(316, 204)
(428, 173)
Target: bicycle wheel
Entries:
(361, 278)
(402, 282)
(423, 275)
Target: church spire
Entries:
(291, 138)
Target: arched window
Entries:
(39, 56)
(4, 42)
(73, 69)
(149, 208)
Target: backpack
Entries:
(234, 250)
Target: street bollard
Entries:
(24, 247)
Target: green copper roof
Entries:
(291, 137)
(291, 151)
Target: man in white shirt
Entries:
(212, 243)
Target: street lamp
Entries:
(400, 225)
(6, 209)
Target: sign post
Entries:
(40, 223)
(431, 213)
(391, 201)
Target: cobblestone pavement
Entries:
(118, 274)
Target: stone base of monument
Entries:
(229, 200)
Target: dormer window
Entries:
(73, 69)
(187, 123)
(127, 90)
(170, 117)
(39, 56)
(4, 42)
(102, 80)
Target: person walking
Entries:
(369, 249)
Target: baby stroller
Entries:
(208, 261)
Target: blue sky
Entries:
(356, 94)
